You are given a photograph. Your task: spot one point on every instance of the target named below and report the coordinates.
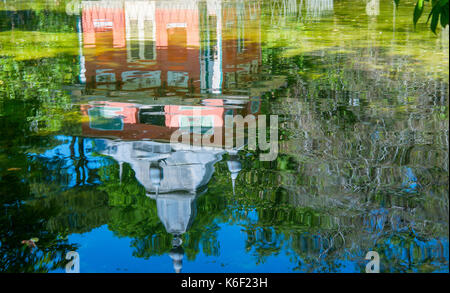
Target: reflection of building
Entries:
(373, 7)
(318, 8)
(174, 175)
(103, 16)
(158, 121)
(182, 46)
(162, 49)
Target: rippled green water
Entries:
(90, 93)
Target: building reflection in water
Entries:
(174, 175)
(166, 51)
(173, 46)
(318, 8)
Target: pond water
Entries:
(91, 93)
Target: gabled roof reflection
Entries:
(174, 175)
(183, 169)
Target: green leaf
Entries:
(432, 12)
(434, 20)
(418, 10)
(396, 2)
(444, 16)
